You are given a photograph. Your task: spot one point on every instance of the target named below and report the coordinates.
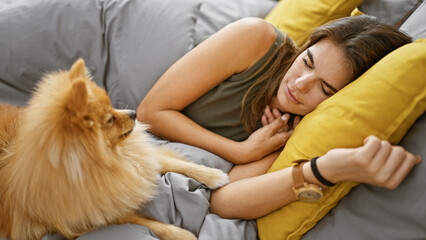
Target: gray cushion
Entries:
(415, 25)
(4, 3)
(40, 36)
(389, 11)
(148, 37)
(215, 14)
(126, 44)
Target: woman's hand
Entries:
(377, 162)
(267, 139)
(271, 114)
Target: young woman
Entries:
(233, 95)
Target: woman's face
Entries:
(316, 74)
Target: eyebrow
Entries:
(311, 58)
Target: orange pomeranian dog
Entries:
(70, 163)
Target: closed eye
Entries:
(324, 91)
(323, 87)
(306, 63)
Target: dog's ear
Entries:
(77, 98)
(78, 70)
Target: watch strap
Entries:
(297, 172)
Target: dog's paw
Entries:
(216, 178)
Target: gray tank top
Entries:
(219, 110)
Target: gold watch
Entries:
(306, 192)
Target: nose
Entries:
(305, 83)
(132, 114)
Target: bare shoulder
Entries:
(239, 45)
(255, 35)
(256, 28)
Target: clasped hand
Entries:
(271, 137)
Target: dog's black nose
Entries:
(132, 114)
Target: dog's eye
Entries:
(110, 120)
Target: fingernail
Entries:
(284, 117)
(418, 158)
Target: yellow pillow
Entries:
(385, 101)
(299, 17)
(356, 12)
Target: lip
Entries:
(291, 97)
(127, 133)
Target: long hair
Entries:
(266, 85)
(363, 39)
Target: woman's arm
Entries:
(250, 196)
(232, 50)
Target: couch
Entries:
(127, 45)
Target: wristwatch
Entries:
(306, 192)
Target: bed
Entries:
(128, 44)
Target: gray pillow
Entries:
(44, 35)
(147, 37)
(126, 44)
(4, 3)
(415, 25)
(393, 12)
(215, 14)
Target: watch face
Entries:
(309, 196)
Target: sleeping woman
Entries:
(240, 93)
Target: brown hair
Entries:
(363, 39)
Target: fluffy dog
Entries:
(70, 163)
